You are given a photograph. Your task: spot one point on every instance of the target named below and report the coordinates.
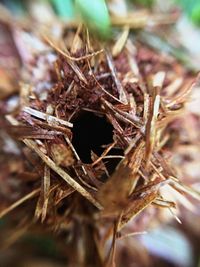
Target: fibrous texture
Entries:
(98, 129)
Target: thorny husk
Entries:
(118, 187)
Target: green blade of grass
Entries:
(192, 9)
(96, 16)
(64, 8)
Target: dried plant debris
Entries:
(88, 147)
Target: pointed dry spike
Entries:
(174, 86)
(104, 154)
(46, 189)
(151, 126)
(164, 203)
(19, 202)
(158, 79)
(89, 45)
(146, 107)
(132, 143)
(133, 105)
(130, 234)
(24, 94)
(138, 206)
(40, 202)
(12, 120)
(183, 94)
(162, 141)
(117, 127)
(179, 197)
(157, 171)
(75, 153)
(113, 157)
(121, 115)
(110, 261)
(73, 64)
(175, 182)
(147, 194)
(86, 184)
(32, 145)
(175, 216)
(77, 42)
(156, 107)
(66, 54)
(78, 72)
(121, 41)
(170, 116)
(140, 19)
(137, 20)
(121, 91)
(46, 117)
(101, 87)
(133, 118)
(179, 186)
(57, 70)
(135, 157)
(131, 53)
(63, 194)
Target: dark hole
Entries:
(61, 209)
(90, 132)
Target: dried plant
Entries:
(96, 130)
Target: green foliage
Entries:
(17, 7)
(95, 14)
(147, 3)
(192, 9)
(64, 8)
(195, 15)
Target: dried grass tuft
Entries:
(135, 90)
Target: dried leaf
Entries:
(62, 173)
(145, 198)
(30, 195)
(121, 41)
(41, 208)
(151, 125)
(113, 195)
(62, 155)
(46, 117)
